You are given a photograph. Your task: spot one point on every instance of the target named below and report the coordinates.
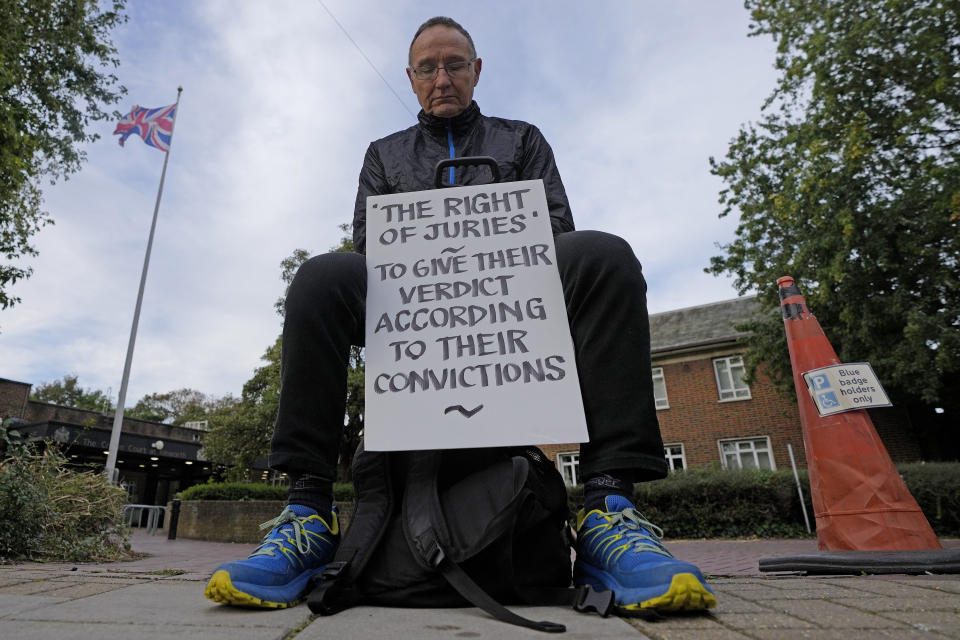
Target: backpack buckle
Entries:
(333, 570)
(436, 555)
(328, 597)
(588, 599)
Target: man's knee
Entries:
(596, 253)
(329, 275)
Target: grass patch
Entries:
(166, 572)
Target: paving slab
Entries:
(886, 587)
(81, 589)
(661, 632)
(935, 602)
(31, 587)
(840, 634)
(6, 581)
(730, 603)
(158, 604)
(833, 616)
(763, 620)
(945, 622)
(376, 623)
(12, 603)
(808, 591)
(93, 631)
(951, 585)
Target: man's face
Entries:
(443, 96)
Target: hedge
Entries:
(936, 488)
(707, 503)
(252, 491)
(717, 503)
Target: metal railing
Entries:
(134, 512)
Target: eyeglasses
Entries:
(453, 69)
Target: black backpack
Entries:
(481, 527)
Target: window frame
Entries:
(656, 372)
(669, 457)
(752, 440)
(569, 460)
(729, 361)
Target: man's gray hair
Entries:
(441, 21)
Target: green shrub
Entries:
(50, 512)
(234, 491)
(719, 503)
(252, 491)
(343, 491)
(936, 488)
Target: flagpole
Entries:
(111, 468)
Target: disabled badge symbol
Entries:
(828, 400)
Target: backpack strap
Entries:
(470, 590)
(424, 524)
(425, 527)
(375, 505)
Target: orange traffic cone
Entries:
(859, 500)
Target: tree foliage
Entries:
(54, 82)
(288, 269)
(240, 433)
(850, 183)
(177, 407)
(68, 393)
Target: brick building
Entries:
(155, 459)
(709, 415)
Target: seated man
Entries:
(605, 295)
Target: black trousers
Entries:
(605, 296)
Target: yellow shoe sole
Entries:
(220, 589)
(686, 593)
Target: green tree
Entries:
(68, 393)
(353, 421)
(288, 269)
(175, 407)
(240, 433)
(54, 56)
(850, 183)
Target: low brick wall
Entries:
(234, 520)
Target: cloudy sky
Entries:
(277, 110)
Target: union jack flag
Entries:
(155, 126)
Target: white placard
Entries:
(467, 340)
(845, 387)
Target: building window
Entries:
(676, 461)
(660, 389)
(569, 464)
(748, 453)
(730, 374)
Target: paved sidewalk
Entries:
(162, 596)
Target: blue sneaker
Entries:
(275, 575)
(620, 551)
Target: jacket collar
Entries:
(460, 123)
